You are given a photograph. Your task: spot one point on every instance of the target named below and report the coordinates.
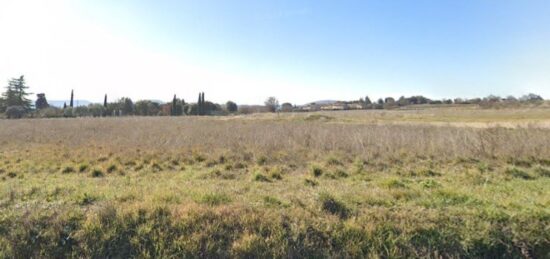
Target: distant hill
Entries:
(59, 103)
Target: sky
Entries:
(297, 51)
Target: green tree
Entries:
(127, 106)
(147, 108)
(367, 100)
(176, 108)
(105, 110)
(199, 105)
(71, 104)
(231, 107)
(41, 102)
(16, 94)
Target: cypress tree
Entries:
(72, 96)
(174, 104)
(203, 106)
(64, 105)
(199, 105)
(105, 102)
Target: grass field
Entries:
(451, 182)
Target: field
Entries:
(445, 182)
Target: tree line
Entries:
(15, 103)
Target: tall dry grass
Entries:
(266, 136)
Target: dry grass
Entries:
(273, 186)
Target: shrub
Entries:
(239, 165)
(317, 171)
(82, 167)
(340, 173)
(543, 171)
(261, 160)
(333, 206)
(258, 177)
(518, 173)
(111, 168)
(156, 167)
(276, 173)
(211, 163)
(333, 161)
(67, 170)
(97, 173)
(199, 158)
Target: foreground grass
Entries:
(285, 189)
(176, 205)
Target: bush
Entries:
(111, 168)
(258, 177)
(67, 170)
(82, 167)
(97, 173)
(518, 173)
(333, 161)
(333, 206)
(261, 160)
(317, 171)
(542, 171)
(15, 112)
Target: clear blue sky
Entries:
(299, 51)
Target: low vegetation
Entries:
(274, 187)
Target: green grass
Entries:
(176, 213)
